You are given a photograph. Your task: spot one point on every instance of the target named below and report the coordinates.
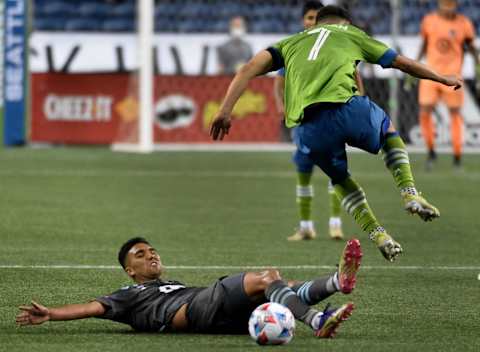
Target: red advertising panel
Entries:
(103, 108)
(76, 108)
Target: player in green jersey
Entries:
(304, 165)
(321, 99)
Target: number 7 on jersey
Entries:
(321, 39)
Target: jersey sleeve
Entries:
(116, 304)
(276, 51)
(376, 52)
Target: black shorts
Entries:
(222, 308)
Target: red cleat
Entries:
(349, 266)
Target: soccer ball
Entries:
(271, 324)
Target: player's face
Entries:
(310, 19)
(143, 262)
(447, 8)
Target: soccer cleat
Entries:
(303, 234)
(416, 204)
(389, 248)
(349, 266)
(332, 318)
(336, 232)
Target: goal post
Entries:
(145, 69)
(145, 32)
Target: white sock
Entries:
(306, 224)
(335, 222)
(315, 323)
(335, 281)
(332, 284)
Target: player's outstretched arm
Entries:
(422, 71)
(258, 65)
(36, 313)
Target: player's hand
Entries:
(453, 81)
(220, 126)
(32, 315)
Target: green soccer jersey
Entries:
(320, 65)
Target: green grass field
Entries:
(76, 206)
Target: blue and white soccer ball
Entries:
(271, 324)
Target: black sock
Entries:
(279, 292)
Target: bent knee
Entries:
(256, 283)
(270, 275)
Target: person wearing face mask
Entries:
(234, 53)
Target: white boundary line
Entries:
(266, 147)
(244, 147)
(248, 267)
(197, 174)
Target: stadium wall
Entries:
(84, 92)
(186, 54)
(103, 109)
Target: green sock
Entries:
(354, 202)
(304, 196)
(396, 159)
(335, 205)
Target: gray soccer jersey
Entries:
(233, 54)
(150, 306)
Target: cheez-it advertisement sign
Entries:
(78, 107)
(103, 109)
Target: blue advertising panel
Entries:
(14, 84)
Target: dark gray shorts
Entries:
(222, 308)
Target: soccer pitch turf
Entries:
(210, 214)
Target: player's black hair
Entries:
(122, 253)
(333, 11)
(311, 5)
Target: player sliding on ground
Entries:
(321, 99)
(157, 305)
